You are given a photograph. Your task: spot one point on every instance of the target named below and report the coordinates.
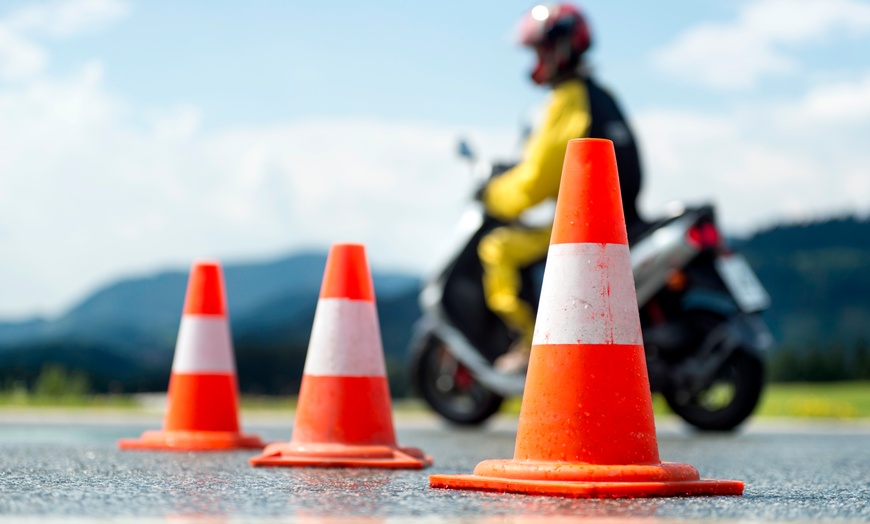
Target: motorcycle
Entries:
(699, 302)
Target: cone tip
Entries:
(205, 289)
(589, 207)
(347, 274)
(205, 262)
(349, 246)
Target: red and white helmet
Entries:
(559, 34)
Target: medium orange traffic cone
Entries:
(586, 426)
(202, 404)
(344, 417)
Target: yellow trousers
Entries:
(503, 253)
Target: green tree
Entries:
(54, 382)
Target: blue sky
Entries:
(450, 62)
(138, 135)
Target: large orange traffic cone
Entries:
(586, 426)
(344, 417)
(202, 404)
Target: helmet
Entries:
(560, 35)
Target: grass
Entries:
(840, 400)
(26, 400)
(845, 400)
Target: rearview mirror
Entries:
(464, 150)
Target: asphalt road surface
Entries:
(70, 467)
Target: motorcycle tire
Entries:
(447, 386)
(743, 374)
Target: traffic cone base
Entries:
(572, 471)
(341, 456)
(579, 489)
(191, 441)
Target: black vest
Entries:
(608, 122)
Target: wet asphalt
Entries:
(71, 468)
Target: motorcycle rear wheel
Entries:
(727, 402)
(449, 388)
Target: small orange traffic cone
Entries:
(344, 417)
(202, 404)
(586, 426)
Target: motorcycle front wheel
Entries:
(448, 386)
(728, 401)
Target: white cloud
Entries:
(841, 104)
(86, 195)
(763, 162)
(176, 125)
(65, 18)
(760, 41)
(21, 57)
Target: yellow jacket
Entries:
(537, 177)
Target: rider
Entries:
(578, 108)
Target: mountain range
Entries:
(123, 335)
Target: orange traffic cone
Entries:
(586, 426)
(344, 418)
(202, 404)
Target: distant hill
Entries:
(123, 335)
(818, 275)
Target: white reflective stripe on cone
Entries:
(345, 340)
(588, 296)
(203, 346)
